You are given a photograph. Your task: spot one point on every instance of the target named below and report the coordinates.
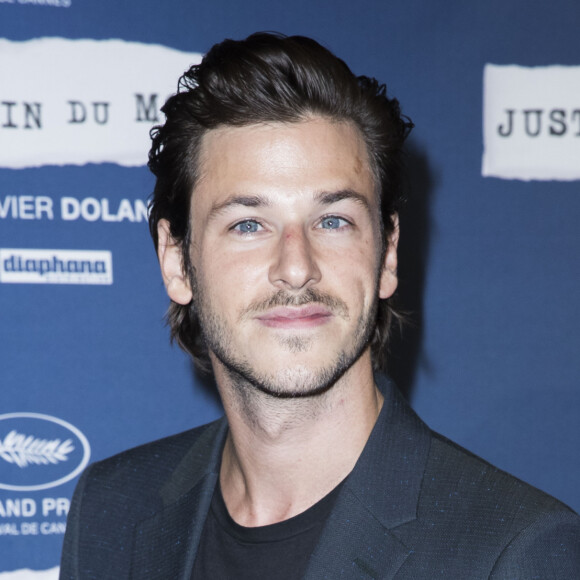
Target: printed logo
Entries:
(20, 266)
(90, 209)
(531, 122)
(39, 451)
(26, 450)
(88, 110)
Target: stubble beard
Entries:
(296, 381)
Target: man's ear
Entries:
(388, 282)
(170, 260)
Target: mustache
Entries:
(284, 298)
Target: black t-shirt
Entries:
(228, 551)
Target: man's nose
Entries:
(294, 265)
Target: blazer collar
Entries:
(388, 475)
(381, 493)
(165, 545)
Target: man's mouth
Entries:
(301, 317)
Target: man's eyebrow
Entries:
(330, 197)
(243, 200)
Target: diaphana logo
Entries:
(23, 266)
(39, 451)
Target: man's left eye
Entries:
(333, 223)
(247, 227)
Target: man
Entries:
(275, 220)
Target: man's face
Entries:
(286, 252)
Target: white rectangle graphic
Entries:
(531, 122)
(25, 266)
(71, 102)
(27, 574)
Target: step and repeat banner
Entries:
(490, 245)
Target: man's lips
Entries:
(304, 317)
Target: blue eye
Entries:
(247, 227)
(332, 223)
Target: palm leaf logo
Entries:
(24, 450)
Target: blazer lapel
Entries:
(382, 492)
(165, 545)
(355, 544)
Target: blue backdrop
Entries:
(489, 265)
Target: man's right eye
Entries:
(247, 227)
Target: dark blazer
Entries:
(416, 506)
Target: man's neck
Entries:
(283, 455)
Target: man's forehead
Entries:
(214, 140)
(299, 151)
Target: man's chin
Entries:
(288, 382)
(295, 386)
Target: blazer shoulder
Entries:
(473, 518)
(114, 495)
(549, 547)
(149, 465)
(479, 484)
